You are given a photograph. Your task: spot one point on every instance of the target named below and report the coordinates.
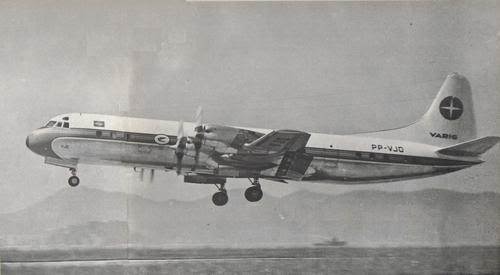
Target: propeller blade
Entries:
(179, 165)
(180, 131)
(198, 138)
(181, 146)
(196, 160)
(198, 119)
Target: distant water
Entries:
(317, 260)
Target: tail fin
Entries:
(471, 148)
(449, 120)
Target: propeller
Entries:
(199, 135)
(180, 148)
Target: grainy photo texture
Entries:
(174, 137)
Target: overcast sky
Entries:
(322, 67)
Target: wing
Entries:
(278, 143)
(281, 151)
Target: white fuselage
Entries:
(148, 143)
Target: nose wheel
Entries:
(220, 198)
(254, 193)
(73, 181)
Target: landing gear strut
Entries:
(220, 198)
(73, 180)
(254, 193)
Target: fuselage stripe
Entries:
(383, 157)
(329, 153)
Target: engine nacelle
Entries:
(204, 179)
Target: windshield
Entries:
(50, 123)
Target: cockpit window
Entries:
(56, 123)
(50, 123)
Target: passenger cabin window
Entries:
(365, 155)
(118, 135)
(98, 123)
(380, 156)
(106, 134)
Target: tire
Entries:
(253, 194)
(220, 198)
(73, 181)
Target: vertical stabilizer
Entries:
(449, 120)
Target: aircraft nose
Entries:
(30, 142)
(39, 142)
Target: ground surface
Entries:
(325, 260)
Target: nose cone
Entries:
(32, 144)
(39, 141)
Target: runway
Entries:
(264, 261)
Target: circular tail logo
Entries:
(451, 108)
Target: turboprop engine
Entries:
(211, 138)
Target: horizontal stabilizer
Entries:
(474, 147)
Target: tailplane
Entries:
(448, 121)
(471, 148)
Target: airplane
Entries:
(443, 140)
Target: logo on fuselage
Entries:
(451, 108)
(443, 135)
(162, 139)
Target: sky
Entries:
(324, 67)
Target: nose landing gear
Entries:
(220, 198)
(254, 193)
(73, 181)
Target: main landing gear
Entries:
(254, 193)
(73, 180)
(220, 198)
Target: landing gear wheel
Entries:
(73, 181)
(254, 193)
(220, 198)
